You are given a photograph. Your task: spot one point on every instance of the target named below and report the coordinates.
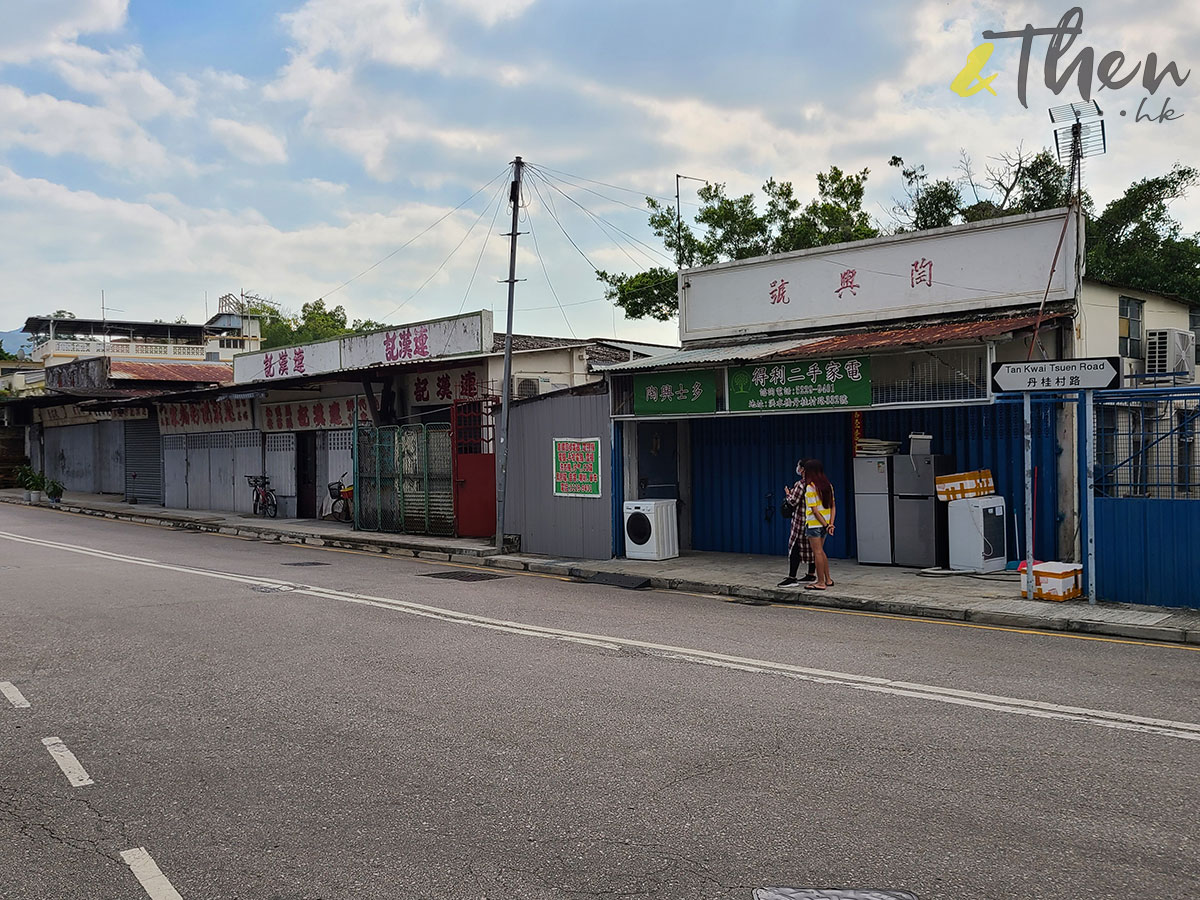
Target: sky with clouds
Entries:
(161, 150)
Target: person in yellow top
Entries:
(820, 512)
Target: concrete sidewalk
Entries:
(986, 599)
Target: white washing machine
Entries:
(651, 529)
(978, 534)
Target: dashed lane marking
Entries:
(9, 690)
(1009, 705)
(149, 875)
(66, 760)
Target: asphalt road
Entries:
(362, 727)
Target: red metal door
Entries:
(474, 469)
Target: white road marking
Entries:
(9, 690)
(149, 875)
(1010, 705)
(67, 762)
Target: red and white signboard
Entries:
(414, 343)
(985, 265)
(312, 415)
(417, 343)
(205, 415)
(443, 388)
(55, 416)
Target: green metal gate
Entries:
(403, 479)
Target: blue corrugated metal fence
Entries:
(741, 464)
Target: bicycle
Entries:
(343, 499)
(265, 503)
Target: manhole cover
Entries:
(272, 588)
(305, 564)
(464, 576)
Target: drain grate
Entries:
(305, 564)
(464, 576)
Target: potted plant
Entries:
(37, 484)
(24, 474)
(54, 490)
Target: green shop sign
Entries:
(577, 467)
(674, 393)
(811, 384)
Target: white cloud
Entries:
(54, 127)
(489, 12)
(117, 79)
(250, 143)
(30, 28)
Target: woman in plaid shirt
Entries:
(799, 549)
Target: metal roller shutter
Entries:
(143, 462)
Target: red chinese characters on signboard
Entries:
(922, 272)
(406, 344)
(421, 390)
(779, 292)
(848, 283)
(269, 365)
(298, 361)
(204, 415)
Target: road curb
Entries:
(907, 607)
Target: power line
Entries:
(616, 187)
(550, 284)
(544, 172)
(475, 271)
(554, 216)
(415, 237)
(598, 219)
(442, 264)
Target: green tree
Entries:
(735, 228)
(361, 325)
(1136, 241)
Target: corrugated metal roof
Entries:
(909, 336)
(197, 372)
(700, 356)
(915, 336)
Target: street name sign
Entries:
(1058, 375)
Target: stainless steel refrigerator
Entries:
(873, 508)
(918, 517)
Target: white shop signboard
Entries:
(421, 341)
(992, 264)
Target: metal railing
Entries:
(103, 348)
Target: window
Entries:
(1194, 323)
(230, 343)
(1130, 328)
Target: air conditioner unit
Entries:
(526, 386)
(1171, 353)
(651, 529)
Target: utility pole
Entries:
(514, 197)
(679, 219)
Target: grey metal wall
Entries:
(143, 461)
(87, 458)
(558, 526)
(110, 457)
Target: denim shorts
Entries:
(818, 531)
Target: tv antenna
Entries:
(1080, 134)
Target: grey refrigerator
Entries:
(918, 517)
(873, 508)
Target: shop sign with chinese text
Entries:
(675, 393)
(434, 388)
(311, 415)
(205, 415)
(416, 343)
(810, 384)
(577, 467)
(987, 265)
(455, 336)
